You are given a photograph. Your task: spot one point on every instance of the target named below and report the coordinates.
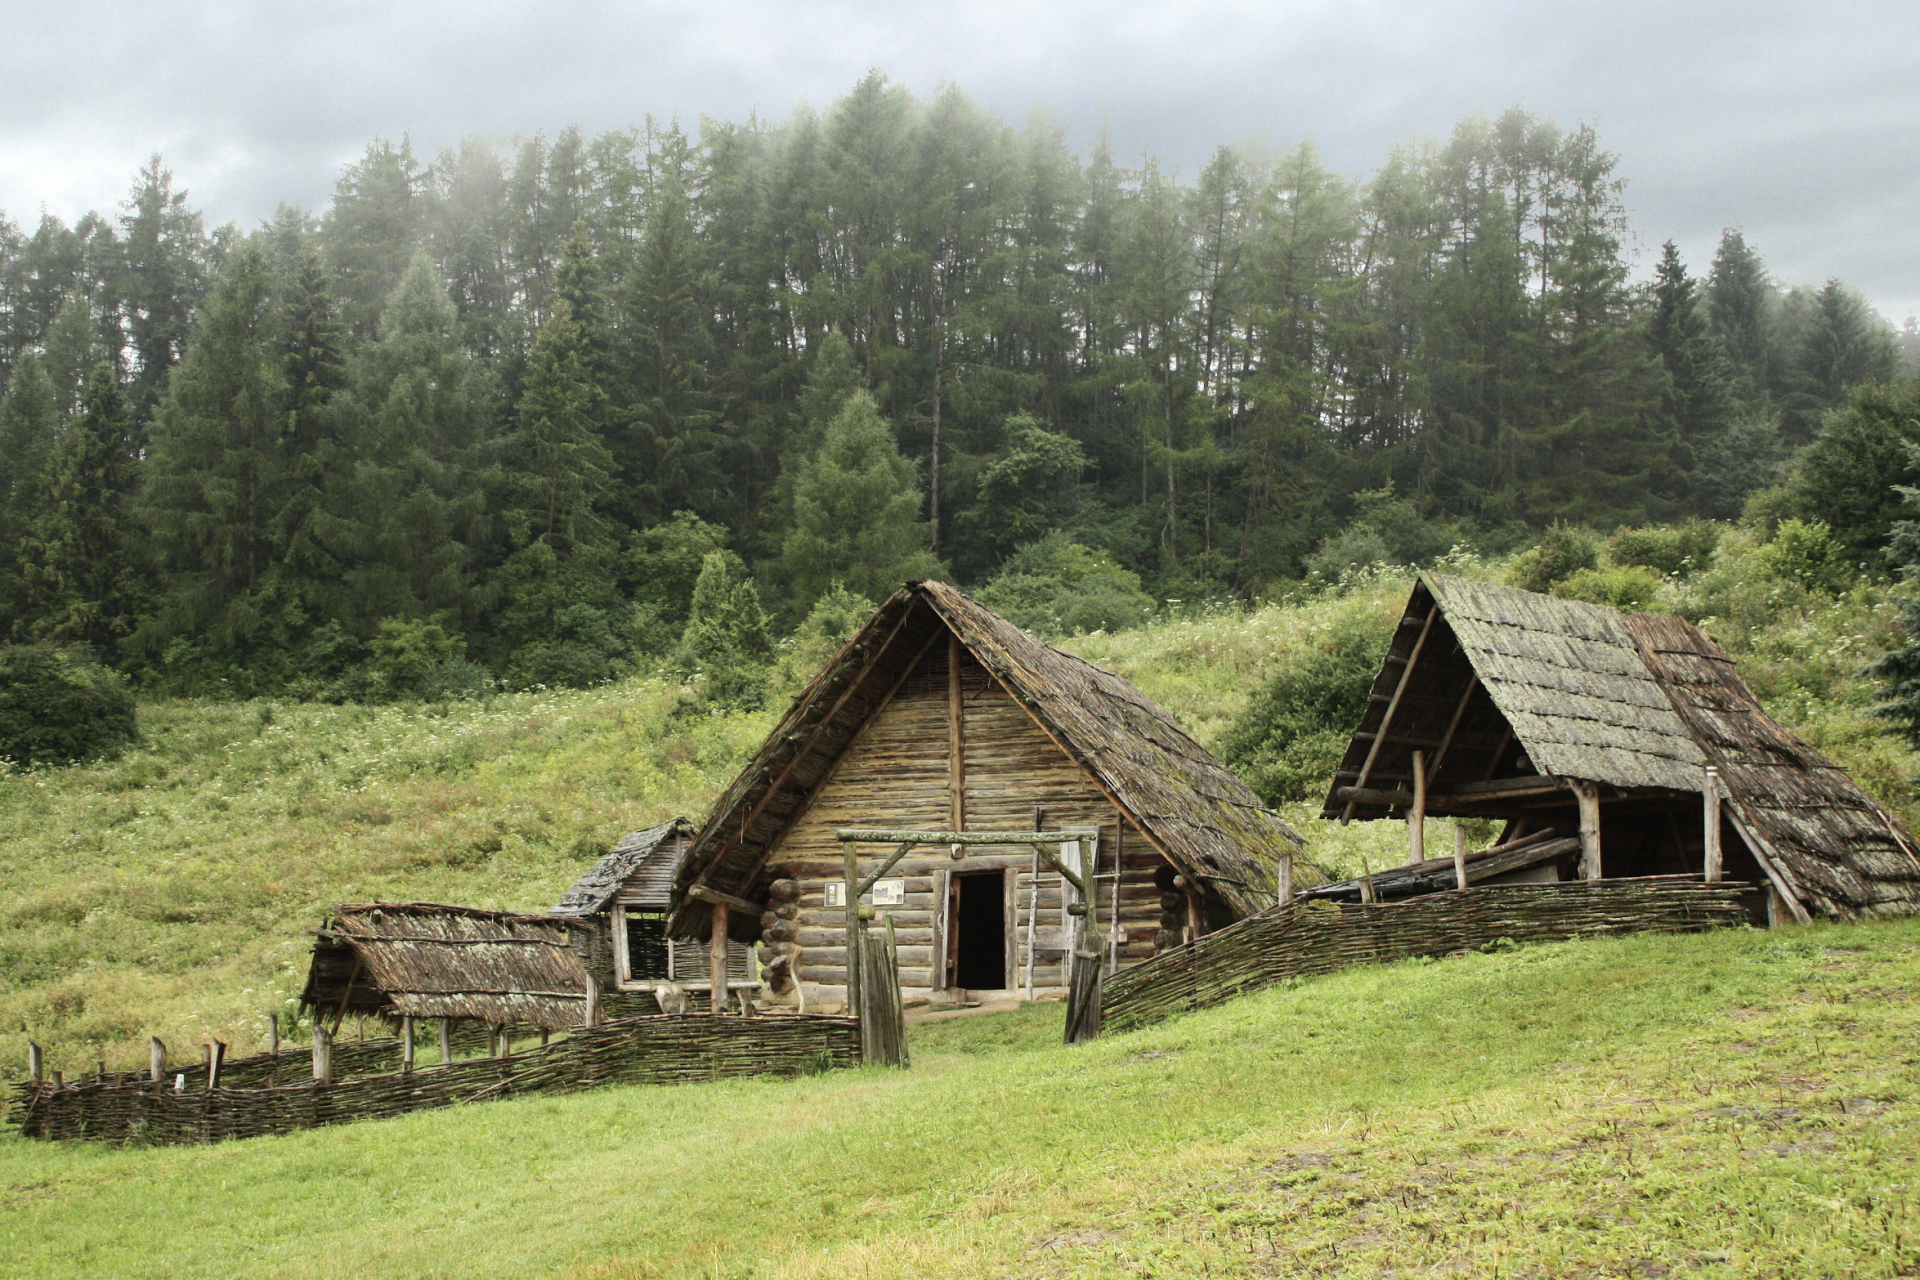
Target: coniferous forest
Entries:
(543, 411)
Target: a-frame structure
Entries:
(939, 715)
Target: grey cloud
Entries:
(1798, 123)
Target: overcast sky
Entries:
(1798, 122)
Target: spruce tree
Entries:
(1677, 329)
(1738, 300)
(216, 463)
(164, 272)
(29, 433)
(80, 555)
(311, 521)
(726, 637)
(856, 513)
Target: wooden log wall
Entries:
(662, 1049)
(895, 776)
(1299, 940)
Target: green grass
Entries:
(1747, 1103)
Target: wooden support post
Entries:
(1393, 705)
(1417, 816)
(852, 861)
(59, 1081)
(1588, 794)
(1366, 879)
(216, 1059)
(956, 739)
(1283, 880)
(36, 1062)
(446, 1041)
(322, 1054)
(717, 958)
(1459, 855)
(406, 1046)
(273, 1033)
(156, 1059)
(594, 1011)
(1710, 825)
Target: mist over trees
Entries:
(496, 415)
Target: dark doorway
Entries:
(980, 931)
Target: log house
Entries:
(941, 716)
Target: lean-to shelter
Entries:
(625, 900)
(938, 715)
(425, 960)
(1497, 702)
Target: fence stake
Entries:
(322, 1054)
(406, 1046)
(1417, 817)
(36, 1063)
(1459, 855)
(273, 1033)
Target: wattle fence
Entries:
(659, 1049)
(1301, 940)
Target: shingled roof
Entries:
(1839, 851)
(426, 960)
(1203, 818)
(648, 858)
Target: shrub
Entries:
(60, 708)
(831, 622)
(1622, 586)
(1806, 555)
(1289, 739)
(1057, 587)
(1563, 550)
(1669, 550)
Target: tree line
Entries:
(498, 416)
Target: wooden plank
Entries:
(706, 893)
(942, 930)
(956, 739)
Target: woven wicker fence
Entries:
(661, 1049)
(1299, 941)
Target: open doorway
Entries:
(980, 931)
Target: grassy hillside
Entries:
(1740, 1104)
(169, 892)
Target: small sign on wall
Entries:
(886, 893)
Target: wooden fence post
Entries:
(406, 1046)
(1710, 796)
(1417, 816)
(156, 1058)
(322, 1054)
(273, 1033)
(216, 1058)
(1282, 881)
(593, 1004)
(1459, 855)
(36, 1062)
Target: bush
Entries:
(831, 622)
(1622, 586)
(1806, 555)
(1289, 739)
(1563, 550)
(60, 708)
(1056, 587)
(1673, 551)
(1385, 529)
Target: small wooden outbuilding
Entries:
(1633, 732)
(394, 960)
(941, 716)
(625, 900)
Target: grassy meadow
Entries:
(1739, 1104)
(171, 891)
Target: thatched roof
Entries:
(644, 862)
(1203, 818)
(424, 960)
(1839, 851)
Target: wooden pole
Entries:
(406, 1046)
(1588, 794)
(273, 1033)
(216, 1059)
(1459, 855)
(1710, 820)
(956, 739)
(852, 861)
(322, 1054)
(156, 1059)
(1033, 918)
(1283, 880)
(1417, 817)
(446, 1041)
(1393, 705)
(717, 958)
(1366, 879)
(36, 1063)
(593, 998)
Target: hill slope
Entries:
(1744, 1103)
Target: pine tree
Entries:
(1738, 300)
(29, 436)
(726, 637)
(1677, 329)
(79, 555)
(310, 522)
(373, 230)
(856, 513)
(164, 273)
(215, 465)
